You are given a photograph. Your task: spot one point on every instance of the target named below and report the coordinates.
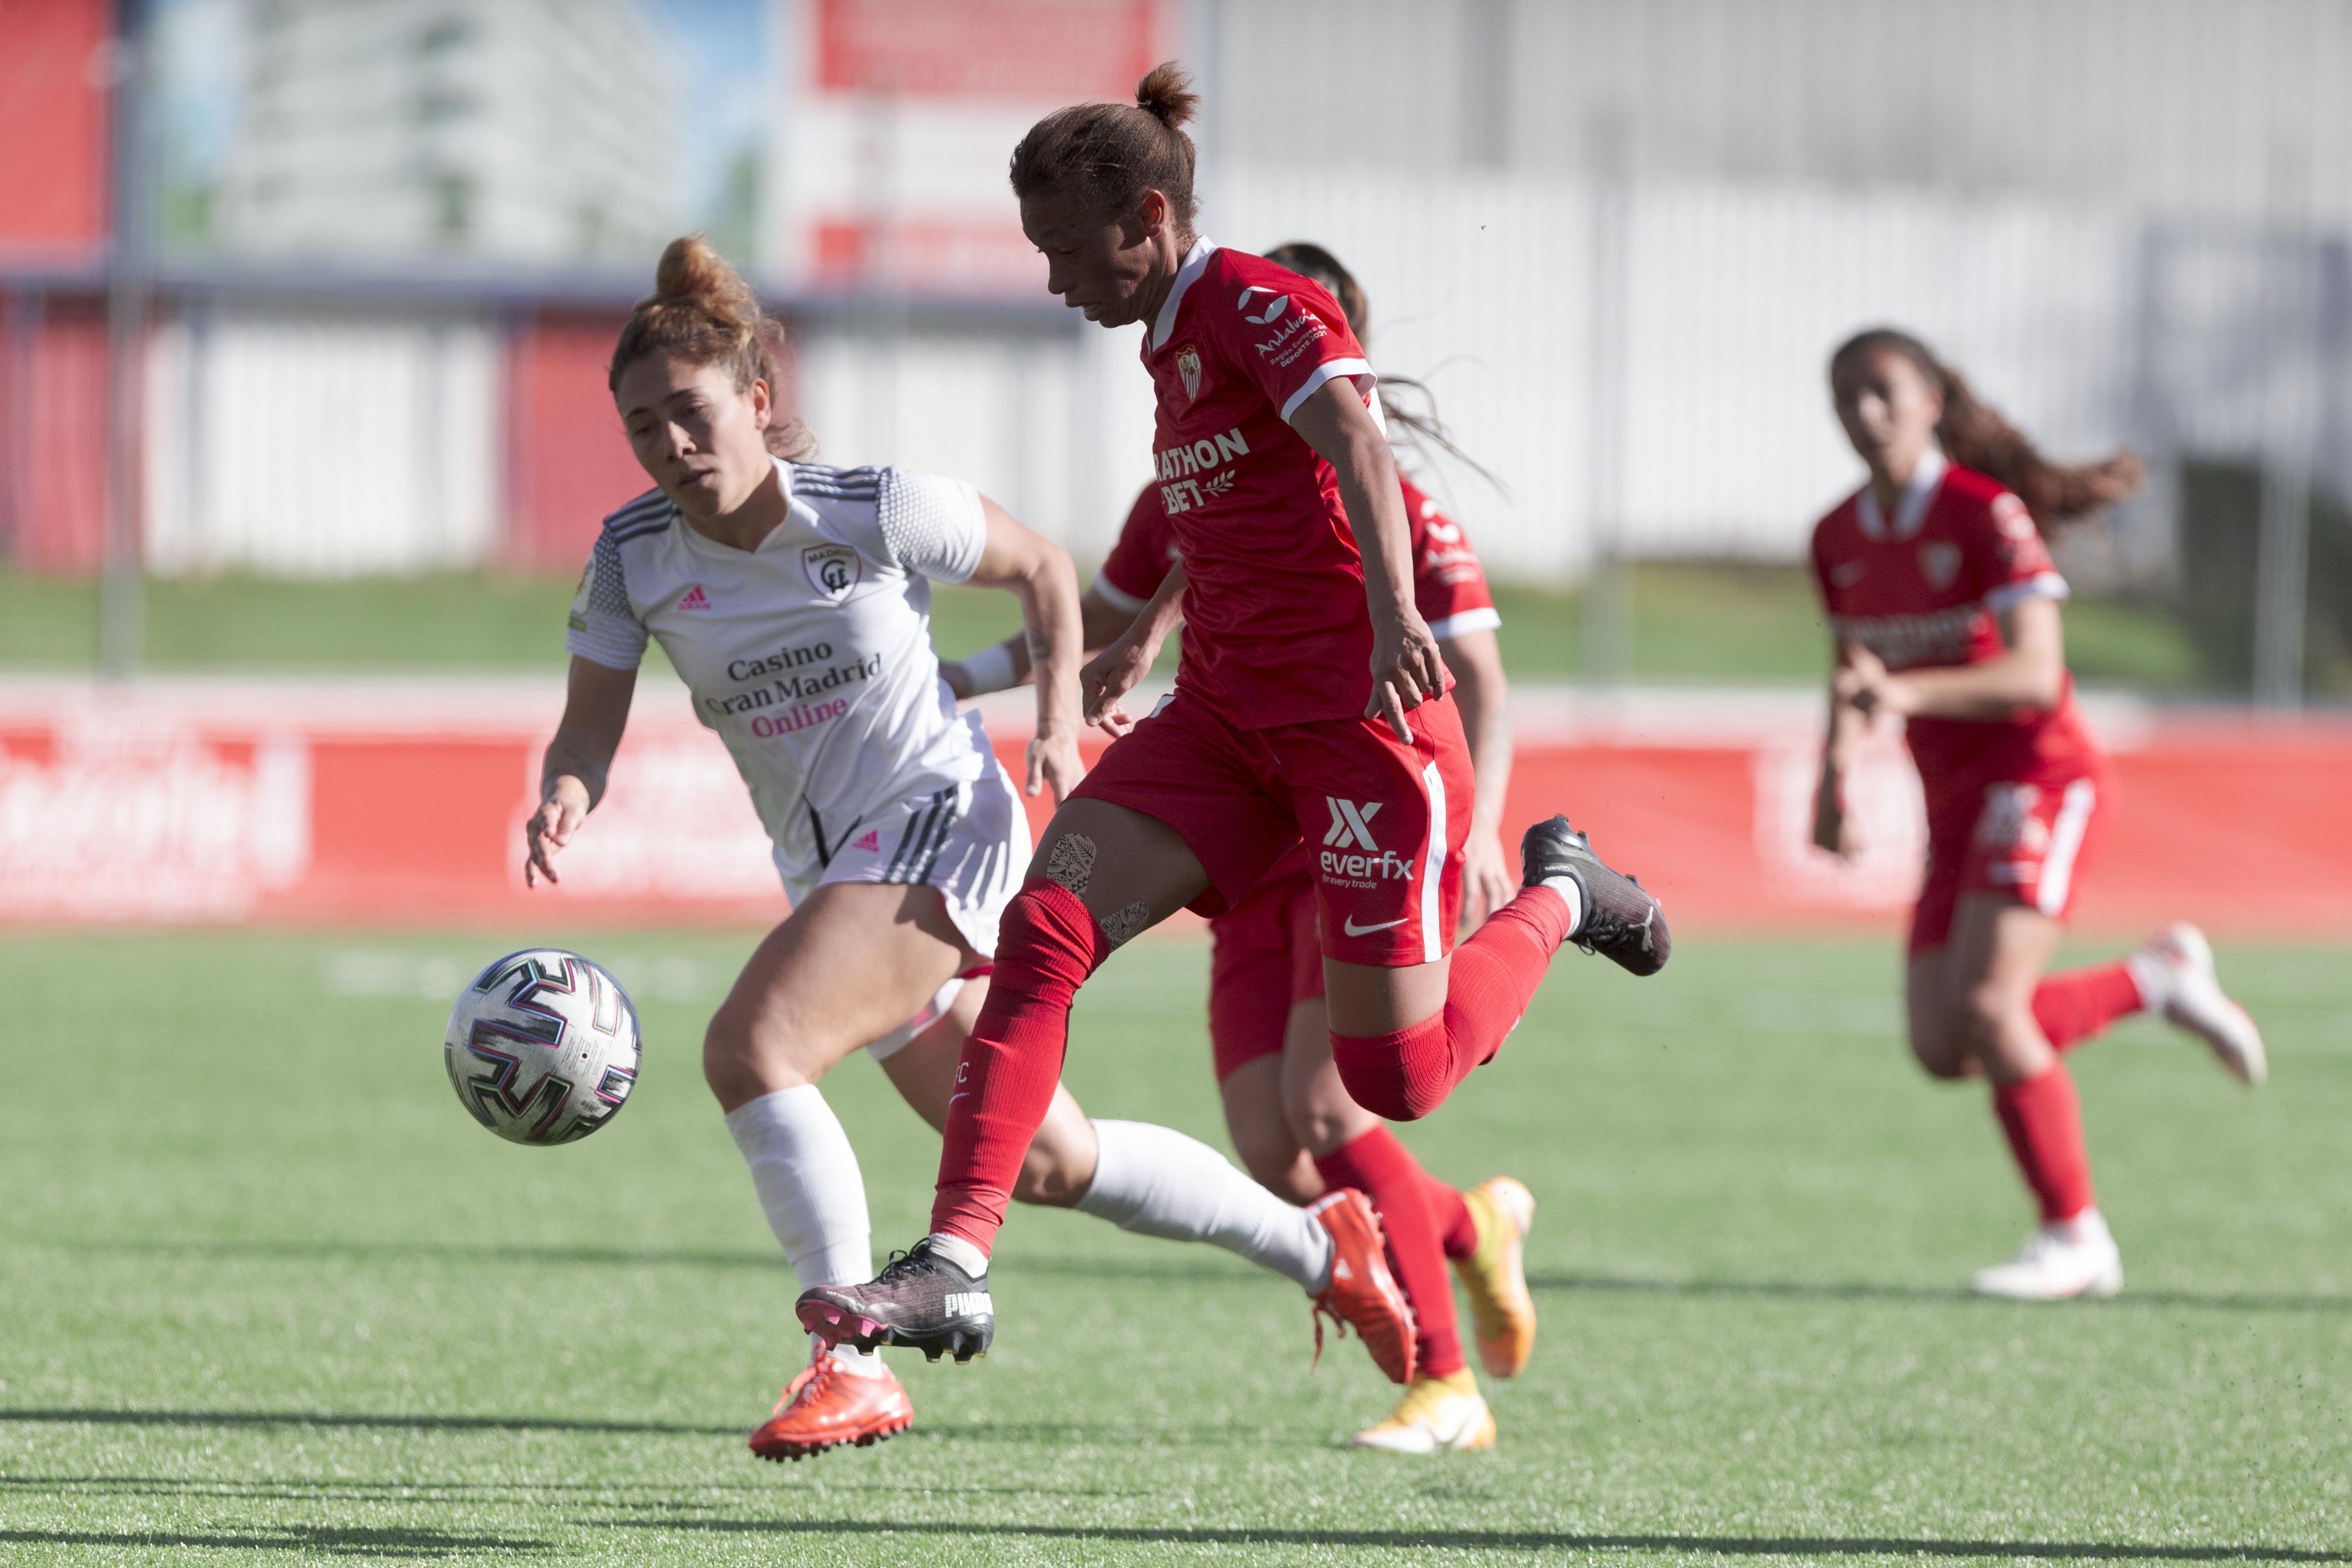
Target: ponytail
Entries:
(703, 312)
(1975, 436)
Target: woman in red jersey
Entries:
(1311, 703)
(1290, 1118)
(1943, 602)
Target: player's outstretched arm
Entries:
(1483, 693)
(1407, 669)
(572, 777)
(1001, 666)
(1039, 574)
(2029, 673)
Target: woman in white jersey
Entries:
(794, 601)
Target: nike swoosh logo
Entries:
(1352, 929)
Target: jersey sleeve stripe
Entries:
(1483, 619)
(653, 504)
(1116, 597)
(1327, 371)
(2041, 585)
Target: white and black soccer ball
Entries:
(543, 1047)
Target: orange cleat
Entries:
(1362, 1292)
(828, 1406)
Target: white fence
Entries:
(317, 444)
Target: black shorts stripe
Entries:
(911, 842)
(948, 817)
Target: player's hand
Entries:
(1862, 683)
(1407, 669)
(1487, 881)
(1111, 675)
(1054, 761)
(551, 827)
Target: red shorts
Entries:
(1264, 961)
(2027, 840)
(1383, 819)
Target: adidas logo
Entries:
(870, 842)
(969, 1304)
(694, 599)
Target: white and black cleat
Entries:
(921, 1302)
(1621, 923)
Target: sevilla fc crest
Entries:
(1939, 563)
(1188, 370)
(833, 569)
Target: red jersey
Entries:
(1921, 589)
(1449, 586)
(1277, 631)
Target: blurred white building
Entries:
(531, 131)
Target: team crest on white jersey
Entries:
(1188, 370)
(1939, 563)
(833, 569)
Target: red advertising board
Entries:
(368, 804)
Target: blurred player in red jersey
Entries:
(1290, 1117)
(1944, 603)
(1311, 703)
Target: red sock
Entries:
(1047, 944)
(1406, 1075)
(2044, 1124)
(1458, 1231)
(1385, 1171)
(2081, 1003)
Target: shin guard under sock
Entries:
(1383, 1170)
(1047, 944)
(2043, 1121)
(2079, 1005)
(1406, 1075)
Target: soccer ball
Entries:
(543, 1047)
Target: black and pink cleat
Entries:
(920, 1300)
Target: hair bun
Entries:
(692, 274)
(1166, 94)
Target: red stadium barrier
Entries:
(364, 804)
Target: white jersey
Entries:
(809, 655)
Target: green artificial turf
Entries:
(1692, 623)
(267, 1293)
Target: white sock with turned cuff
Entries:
(1155, 1181)
(1571, 895)
(812, 1191)
(960, 1252)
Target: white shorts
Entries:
(970, 841)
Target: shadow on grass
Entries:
(1525, 1541)
(327, 1538)
(1196, 1267)
(387, 1423)
(1859, 1290)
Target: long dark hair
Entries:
(1975, 436)
(1421, 427)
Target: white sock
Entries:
(1155, 1181)
(811, 1189)
(960, 1252)
(1571, 895)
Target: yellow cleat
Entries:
(1436, 1415)
(1496, 1275)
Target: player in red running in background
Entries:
(1311, 703)
(1290, 1117)
(1943, 600)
